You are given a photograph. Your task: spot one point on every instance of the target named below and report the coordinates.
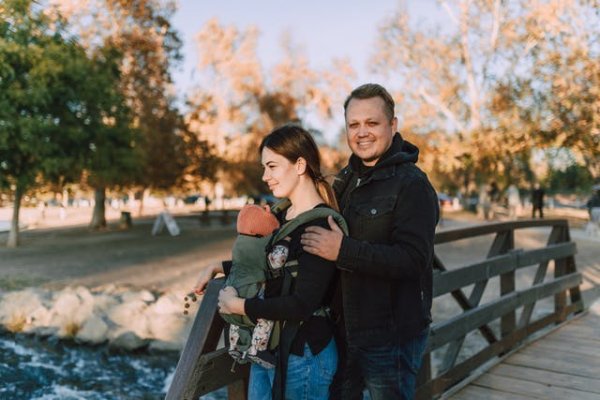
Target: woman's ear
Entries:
(301, 166)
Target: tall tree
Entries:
(47, 108)
(484, 86)
(141, 30)
(242, 100)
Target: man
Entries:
(594, 201)
(537, 201)
(386, 261)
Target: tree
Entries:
(60, 109)
(500, 80)
(142, 32)
(40, 124)
(242, 102)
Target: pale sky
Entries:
(324, 29)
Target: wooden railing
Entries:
(203, 368)
(502, 262)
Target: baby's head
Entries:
(254, 220)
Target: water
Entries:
(47, 369)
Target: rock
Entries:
(169, 328)
(131, 317)
(104, 302)
(168, 304)
(66, 303)
(93, 331)
(163, 345)
(44, 331)
(147, 296)
(127, 341)
(17, 309)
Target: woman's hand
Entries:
(206, 275)
(229, 302)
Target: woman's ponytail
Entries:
(326, 192)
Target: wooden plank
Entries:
(479, 393)
(448, 281)
(451, 235)
(455, 346)
(470, 320)
(591, 321)
(559, 366)
(203, 338)
(582, 331)
(460, 297)
(564, 355)
(577, 335)
(216, 371)
(508, 322)
(447, 379)
(550, 252)
(572, 345)
(542, 376)
(534, 389)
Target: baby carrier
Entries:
(255, 260)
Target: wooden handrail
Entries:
(203, 368)
(502, 262)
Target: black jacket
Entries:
(310, 290)
(386, 262)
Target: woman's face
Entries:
(279, 173)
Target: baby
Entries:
(254, 226)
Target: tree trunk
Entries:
(13, 236)
(99, 215)
(141, 204)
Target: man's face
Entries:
(368, 130)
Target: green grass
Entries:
(19, 282)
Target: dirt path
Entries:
(74, 255)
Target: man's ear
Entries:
(301, 166)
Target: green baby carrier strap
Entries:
(250, 269)
(305, 217)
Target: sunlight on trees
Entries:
(244, 101)
(506, 78)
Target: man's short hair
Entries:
(370, 90)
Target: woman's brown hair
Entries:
(292, 142)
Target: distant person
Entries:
(593, 206)
(514, 201)
(485, 204)
(307, 356)
(594, 202)
(537, 201)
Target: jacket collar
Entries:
(400, 152)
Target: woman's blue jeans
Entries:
(308, 376)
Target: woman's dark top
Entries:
(311, 290)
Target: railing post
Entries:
(505, 242)
(424, 391)
(204, 337)
(560, 269)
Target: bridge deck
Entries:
(562, 365)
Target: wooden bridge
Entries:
(516, 294)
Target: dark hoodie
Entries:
(386, 262)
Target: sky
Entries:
(324, 29)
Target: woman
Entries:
(291, 163)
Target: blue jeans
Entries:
(308, 376)
(388, 372)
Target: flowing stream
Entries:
(49, 369)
